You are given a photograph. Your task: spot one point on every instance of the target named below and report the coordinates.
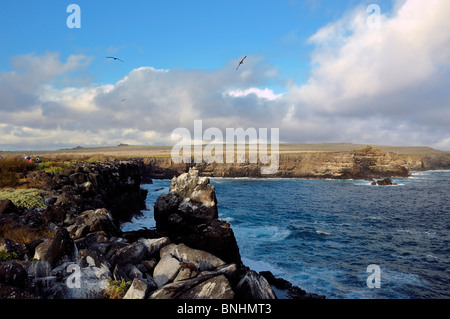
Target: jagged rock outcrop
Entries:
(57, 250)
(188, 214)
(383, 182)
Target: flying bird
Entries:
(242, 61)
(111, 57)
(122, 100)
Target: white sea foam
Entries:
(140, 222)
(259, 265)
(321, 232)
(268, 233)
(227, 219)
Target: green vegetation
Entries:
(117, 288)
(24, 198)
(54, 166)
(367, 148)
(5, 256)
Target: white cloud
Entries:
(384, 86)
(265, 94)
(389, 82)
(354, 61)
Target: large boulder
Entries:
(154, 245)
(12, 273)
(188, 214)
(166, 270)
(57, 250)
(207, 286)
(254, 286)
(92, 283)
(191, 198)
(99, 220)
(131, 254)
(202, 260)
(7, 207)
(139, 289)
(198, 189)
(383, 182)
(214, 288)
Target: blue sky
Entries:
(322, 75)
(200, 34)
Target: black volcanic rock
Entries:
(13, 273)
(7, 207)
(383, 182)
(189, 215)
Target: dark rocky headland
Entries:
(72, 247)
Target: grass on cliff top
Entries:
(11, 168)
(24, 198)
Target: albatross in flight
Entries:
(242, 61)
(111, 57)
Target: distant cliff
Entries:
(436, 161)
(365, 163)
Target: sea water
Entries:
(323, 234)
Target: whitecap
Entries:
(266, 233)
(432, 258)
(321, 232)
(227, 219)
(259, 265)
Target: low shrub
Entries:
(54, 166)
(25, 198)
(5, 256)
(117, 288)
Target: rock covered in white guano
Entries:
(198, 189)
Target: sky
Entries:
(372, 72)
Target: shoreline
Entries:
(309, 161)
(79, 228)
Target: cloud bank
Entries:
(386, 85)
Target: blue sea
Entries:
(323, 234)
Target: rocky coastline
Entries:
(73, 248)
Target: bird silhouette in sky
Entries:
(122, 101)
(111, 57)
(242, 61)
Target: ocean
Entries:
(322, 235)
